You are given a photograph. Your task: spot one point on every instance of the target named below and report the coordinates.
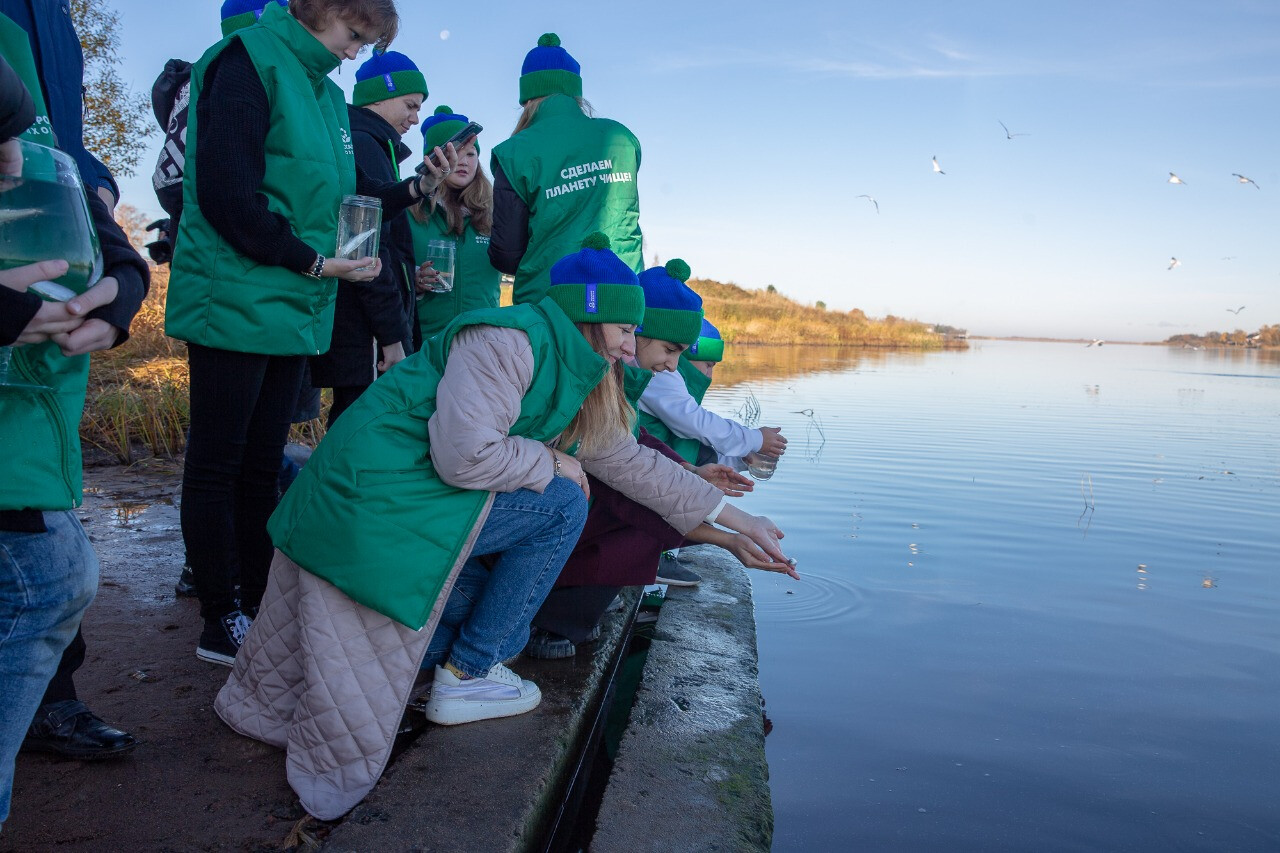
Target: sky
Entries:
(761, 124)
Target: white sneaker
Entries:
(501, 693)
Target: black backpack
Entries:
(170, 97)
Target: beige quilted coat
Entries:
(327, 679)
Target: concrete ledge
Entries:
(691, 773)
(494, 785)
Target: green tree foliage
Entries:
(116, 119)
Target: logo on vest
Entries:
(347, 147)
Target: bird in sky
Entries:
(1241, 179)
(1174, 179)
(1096, 342)
(936, 167)
(1236, 310)
(1008, 134)
(1174, 262)
(872, 200)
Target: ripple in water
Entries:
(814, 598)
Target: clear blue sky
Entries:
(761, 123)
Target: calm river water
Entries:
(1040, 597)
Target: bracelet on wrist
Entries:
(317, 268)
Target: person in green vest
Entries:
(671, 409)
(470, 461)
(373, 320)
(460, 212)
(561, 174)
(48, 571)
(622, 539)
(269, 158)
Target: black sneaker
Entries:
(186, 585)
(672, 573)
(545, 645)
(222, 638)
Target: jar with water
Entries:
(44, 216)
(359, 227)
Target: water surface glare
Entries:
(1039, 606)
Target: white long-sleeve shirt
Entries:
(668, 400)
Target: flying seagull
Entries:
(872, 200)
(1096, 342)
(1174, 179)
(936, 167)
(1007, 133)
(1236, 310)
(1174, 262)
(1241, 179)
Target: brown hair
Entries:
(378, 17)
(605, 415)
(476, 197)
(530, 110)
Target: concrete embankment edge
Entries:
(691, 773)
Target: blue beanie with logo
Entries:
(443, 124)
(549, 70)
(387, 74)
(708, 346)
(238, 14)
(593, 285)
(672, 311)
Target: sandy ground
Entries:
(191, 784)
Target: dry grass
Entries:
(761, 317)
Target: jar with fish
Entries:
(44, 215)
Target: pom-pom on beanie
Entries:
(672, 311)
(593, 285)
(387, 75)
(708, 347)
(439, 127)
(549, 70)
(238, 14)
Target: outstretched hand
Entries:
(725, 479)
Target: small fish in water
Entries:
(7, 216)
(355, 241)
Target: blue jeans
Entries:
(46, 582)
(486, 618)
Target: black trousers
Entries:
(572, 612)
(242, 405)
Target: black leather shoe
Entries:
(68, 728)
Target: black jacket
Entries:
(381, 310)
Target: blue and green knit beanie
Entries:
(238, 14)
(387, 75)
(443, 124)
(549, 70)
(708, 347)
(593, 285)
(672, 311)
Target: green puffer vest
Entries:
(697, 382)
(576, 175)
(217, 296)
(475, 281)
(634, 381)
(368, 512)
(39, 430)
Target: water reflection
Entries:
(747, 363)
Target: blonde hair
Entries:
(476, 197)
(530, 110)
(605, 415)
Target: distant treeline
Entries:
(1266, 336)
